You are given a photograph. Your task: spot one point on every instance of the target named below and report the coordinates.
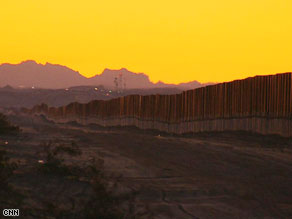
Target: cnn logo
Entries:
(11, 212)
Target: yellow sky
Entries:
(172, 41)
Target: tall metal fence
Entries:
(263, 100)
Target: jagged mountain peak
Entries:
(29, 73)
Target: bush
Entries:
(9, 198)
(53, 159)
(6, 127)
(6, 169)
(102, 203)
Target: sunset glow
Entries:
(171, 41)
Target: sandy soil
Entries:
(211, 175)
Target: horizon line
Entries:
(137, 73)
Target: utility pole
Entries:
(121, 81)
(116, 83)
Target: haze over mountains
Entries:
(31, 74)
(17, 98)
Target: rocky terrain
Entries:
(210, 175)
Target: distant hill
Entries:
(30, 74)
(28, 97)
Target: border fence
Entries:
(261, 104)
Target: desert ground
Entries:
(206, 175)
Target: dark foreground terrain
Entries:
(223, 175)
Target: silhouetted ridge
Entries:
(32, 74)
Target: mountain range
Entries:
(52, 76)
